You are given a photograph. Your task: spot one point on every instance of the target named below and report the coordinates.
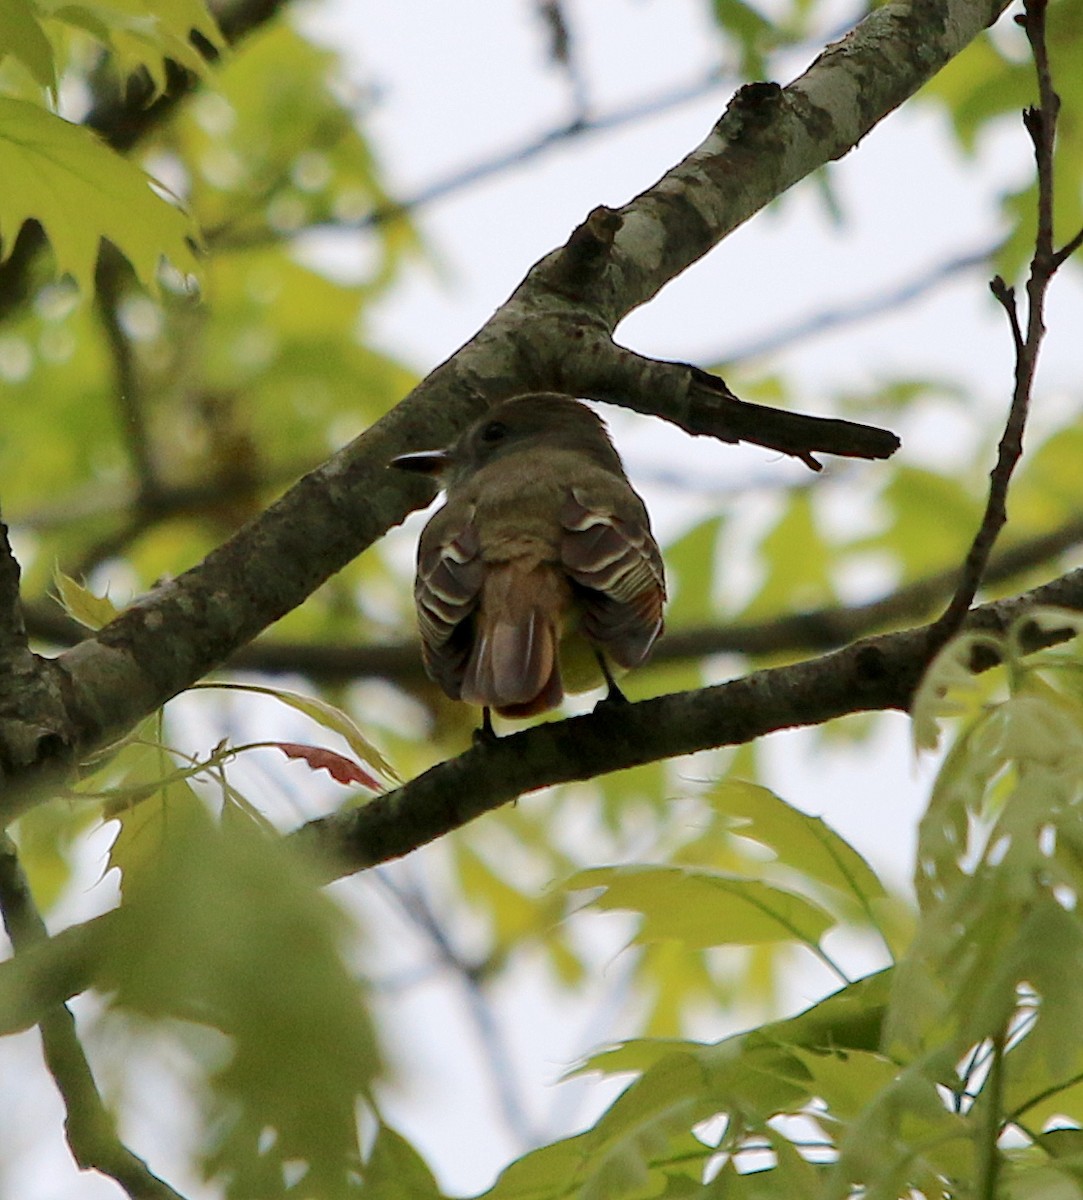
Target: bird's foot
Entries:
(485, 734)
(613, 693)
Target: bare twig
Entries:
(562, 53)
(1041, 124)
(88, 1124)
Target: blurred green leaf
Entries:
(797, 561)
(220, 926)
(705, 908)
(22, 36)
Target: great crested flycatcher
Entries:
(540, 573)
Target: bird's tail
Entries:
(514, 666)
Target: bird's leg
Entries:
(614, 695)
(486, 733)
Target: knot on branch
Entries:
(752, 107)
(583, 257)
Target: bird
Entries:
(540, 574)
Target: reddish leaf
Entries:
(338, 766)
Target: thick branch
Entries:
(767, 140)
(872, 675)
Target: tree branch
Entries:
(1041, 124)
(875, 674)
(701, 404)
(768, 138)
(88, 1124)
(827, 320)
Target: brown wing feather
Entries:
(447, 590)
(608, 551)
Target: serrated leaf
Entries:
(81, 604)
(144, 34)
(706, 908)
(805, 843)
(80, 191)
(220, 926)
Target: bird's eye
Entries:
(494, 431)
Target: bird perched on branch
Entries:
(540, 574)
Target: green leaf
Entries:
(690, 563)
(80, 191)
(904, 1138)
(144, 34)
(220, 926)
(797, 560)
(705, 908)
(808, 844)
(395, 1171)
(81, 604)
(323, 714)
(22, 36)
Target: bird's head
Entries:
(521, 425)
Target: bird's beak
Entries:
(423, 462)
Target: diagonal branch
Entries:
(768, 138)
(876, 674)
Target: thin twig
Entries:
(127, 393)
(88, 1124)
(1041, 123)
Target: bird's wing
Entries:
(447, 591)
(608, 551)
